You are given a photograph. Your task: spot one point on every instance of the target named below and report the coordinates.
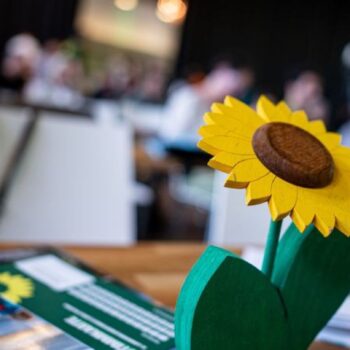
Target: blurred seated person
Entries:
(20, 60)
(188, 101)
(305, 90)
(345, 128)
(55, 82)
(118, 78)
(152, 83)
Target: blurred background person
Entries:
(345, 128)
(20, 61)
(304, 90)
(187, 102)
(55, 81)
(117, 79)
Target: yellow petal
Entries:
(342, 151)
(300, 119)
(216, 107)
(283, 109)
(342, 222)
(324, 204)
(237, 126)
(331, 140)
(240, 112)
(302, 219)
(207, 148)
(269, 112)
(227, 144)
(211, 130)
(283, 199)
(341, 162)
(207, 119)
(340, 200)
(259, 191)
(226, 161)
(324, 221)
(245, 172)
(240, 108)
(304, 210)
(317, 127)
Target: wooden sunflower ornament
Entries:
(301, 170)
(281, 157)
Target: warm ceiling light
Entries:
(126, 5)
(171, 11)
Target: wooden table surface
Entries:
(157, 269)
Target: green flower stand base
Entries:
(226, 303)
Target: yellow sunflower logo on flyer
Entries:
(282, 158)
(15, 287)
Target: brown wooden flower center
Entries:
(294, 155)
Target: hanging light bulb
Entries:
(171, 11)
(126, 5)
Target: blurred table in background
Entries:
(157, 269)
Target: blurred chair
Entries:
(73, 184)
(232, 222)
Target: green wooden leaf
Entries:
(225, 304)
(313, 275)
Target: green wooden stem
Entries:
(271, 248)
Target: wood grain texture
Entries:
(157, 269)
(294, 155)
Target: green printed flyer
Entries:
(51, 301)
